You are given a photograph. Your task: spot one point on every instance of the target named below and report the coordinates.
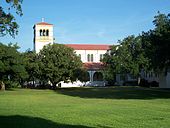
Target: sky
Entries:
(87, 21)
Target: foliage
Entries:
(157, 42)
(8, 23)
(31, 62)
(127, 57)
(54, 63)
(148, 51)
(80, 74)
(58, 63)
(11, 64)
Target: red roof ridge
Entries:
(89, 46)
(93, 65)
(43, 23)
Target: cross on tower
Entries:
(42, 19)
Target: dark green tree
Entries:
(11, 65)
(80, 74)
(157, 42)
(127, 57)
(32, 62)
(8, 24)
(58, 63)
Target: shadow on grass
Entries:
(18, 121)
(116, 93)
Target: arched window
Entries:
(40, 32)
(101, 57)
(91, 57)
(47, 32)
(98, 76)
(44, 34)
(88, 57)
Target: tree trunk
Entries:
(33, 83)
(2, 86)
(54, 84)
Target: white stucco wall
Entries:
(39, 45)
(96, 54)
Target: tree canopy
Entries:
(31, 62)
(58, 63)
(127, 57)
(157, 42)
(54, 63)
(8, 24)
(11, 64)
(148, 51)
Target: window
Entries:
(101, 56)
(90, 58)
(47, 32)
(44, 33)
(40, 32)
(98, 76)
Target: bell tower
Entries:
(43, 35)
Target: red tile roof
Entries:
(43, 23)
(93, 66)
(89, 46)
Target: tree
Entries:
(157, 42)
(58, 63)
(127, 57)
(8, 23)
(31, 62)
(11, 64)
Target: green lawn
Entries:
(115, 107)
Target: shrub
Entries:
(11, 84)
(110, 83)
(154, 84)
(144, 83)
(130, 83)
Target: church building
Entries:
(90, 54)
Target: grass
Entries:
(114, 107)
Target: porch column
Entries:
(91, 74)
